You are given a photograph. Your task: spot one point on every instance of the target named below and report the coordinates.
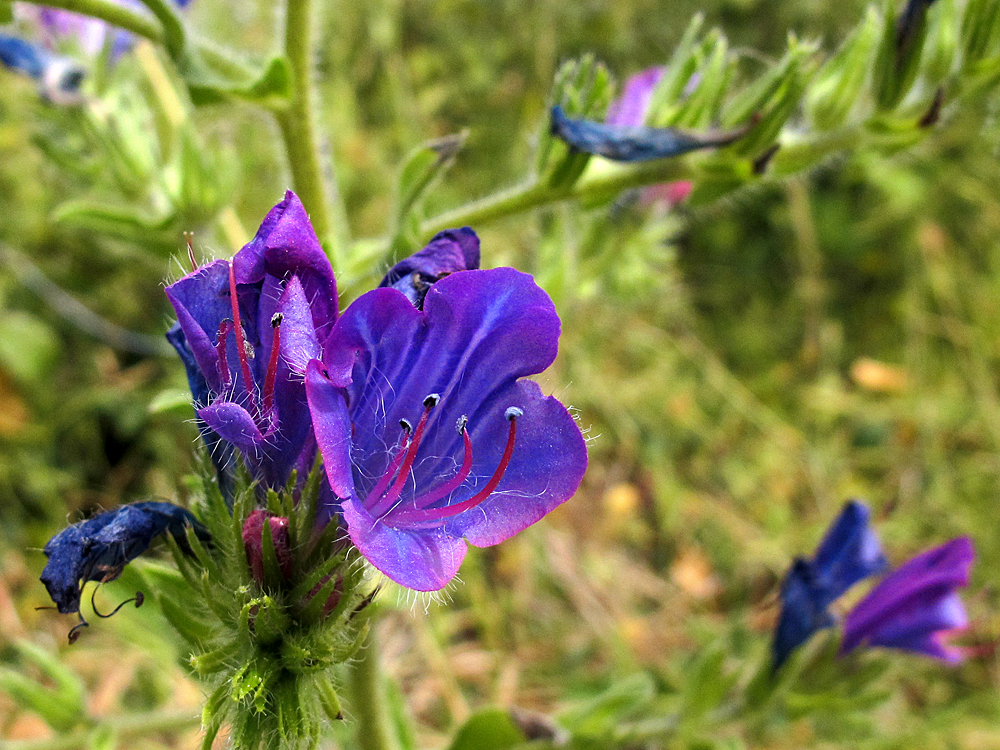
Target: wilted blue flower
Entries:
(917, 606)
(99, 548)
(245, 328)
(633, 142)
(850, 552)
(449, 251)
(58, 77)
(430, 435)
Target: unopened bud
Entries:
(253, 540)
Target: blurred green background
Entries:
(742, 368)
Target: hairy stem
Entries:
(298, 127)
(116, 15)
(368, 700)
(601, 183)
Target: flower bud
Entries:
(253, 540)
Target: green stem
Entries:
(116, 15)
(174, 38)
(298, 128)
(130, 725)
(532, 194)
(374, 729)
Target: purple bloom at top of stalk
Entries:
(850, 552)
(430, 435)
(246, 328)
(917, 606)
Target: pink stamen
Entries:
(437, 514)
(272, 366)
(390, 472)
(241, 344)
(383, 505)
(456, 481)
(220, 348)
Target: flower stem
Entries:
(607, 181)
(374, 729)
(298, 129)
(130, 725)
(114, 14)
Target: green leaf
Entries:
(980, 29)
(488, 729)
(62, 706)
(6, 12)
(214, 78)
(424, 164)
(599, 716)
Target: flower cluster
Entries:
(417, 397)
(913, 608)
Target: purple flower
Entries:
(99, 548)
(430, 435)
(917, 606)
(630, 109)
(850, 552)
(246, 328)
(58, 77)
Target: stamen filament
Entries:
(437, 514)
(379, 488)
(452, 484)
(241, 348)
(383, 505)
(272, 366)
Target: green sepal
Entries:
(835, 89)
(6, 11)
(701, 108)
(683, 63)
(773, 99)
(329, 701)
(980, 31)
(941, 47)
(898, 59)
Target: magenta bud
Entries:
(253, 540)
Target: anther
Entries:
(431, 400)
(461, 423)
(74, 632)
(513, 413)
(405, 424)
(276, 320)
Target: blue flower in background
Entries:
(917, 606)
(99, 548)
(850, 552)
(58, 77)
(630, 142)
